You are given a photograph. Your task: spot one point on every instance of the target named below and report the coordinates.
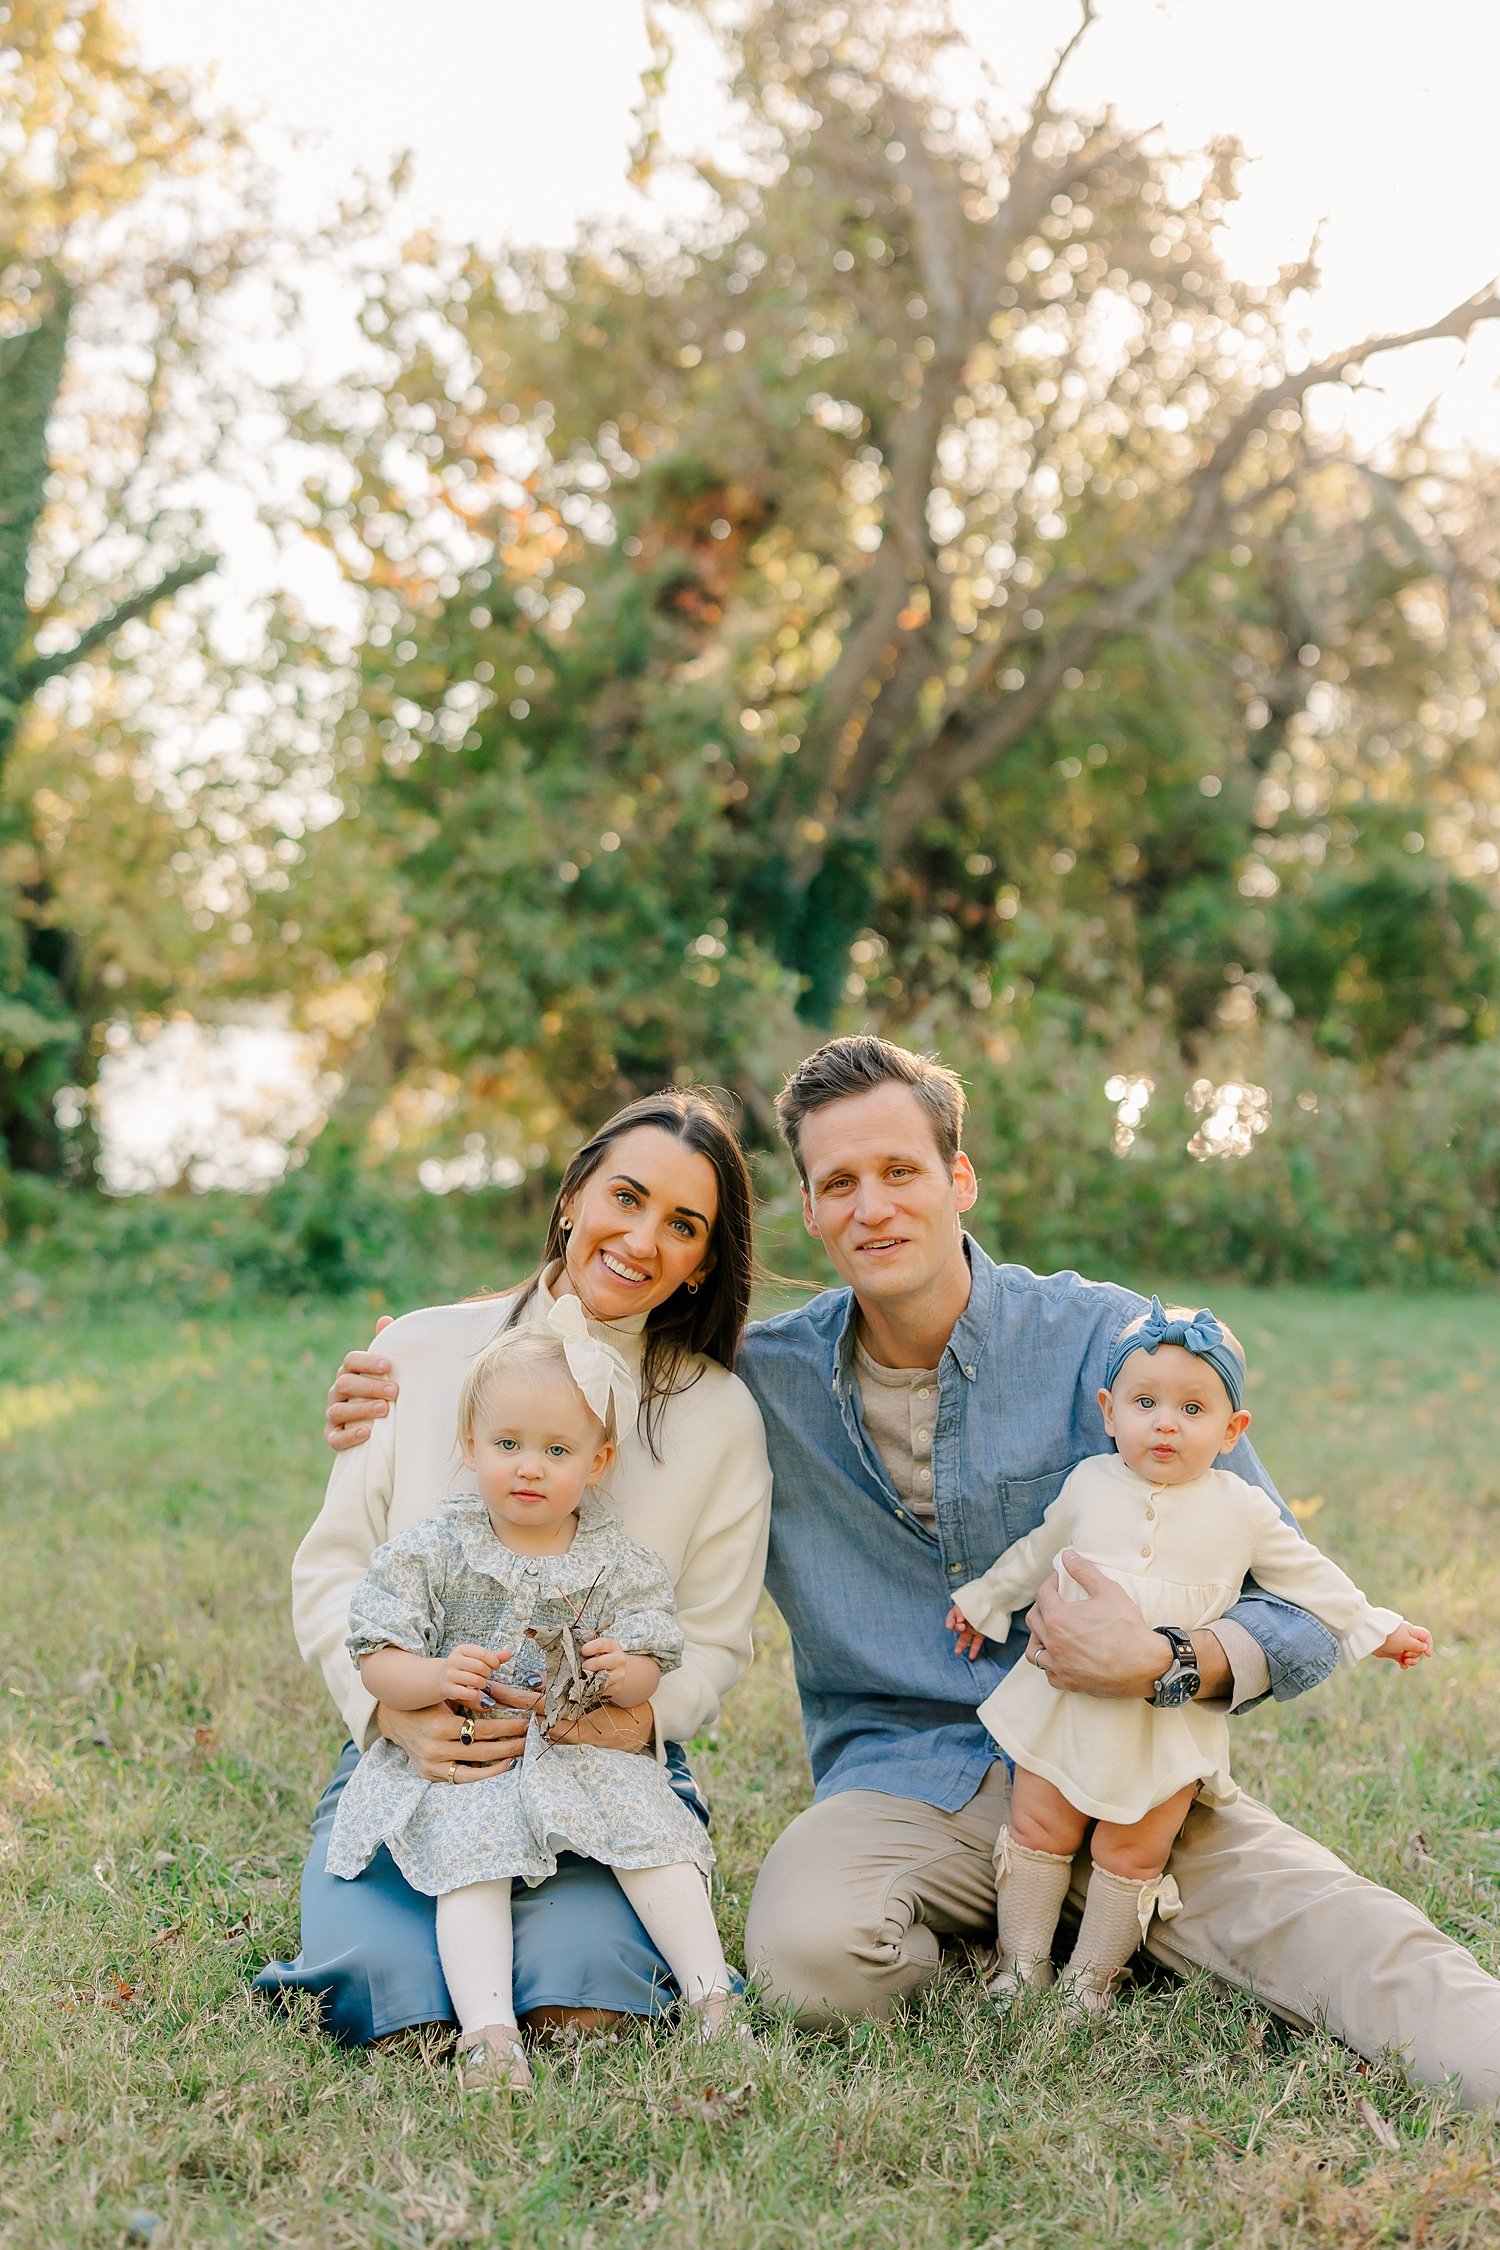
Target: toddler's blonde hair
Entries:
(520, 1351)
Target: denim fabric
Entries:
(369, 1945)
(864, 1585)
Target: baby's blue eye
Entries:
(559, 1452)
(1192, 1408)
(506, 1444)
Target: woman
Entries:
(651, 1231)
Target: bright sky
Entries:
(1369, 118)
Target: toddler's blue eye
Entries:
(560, 1452)
(1192, 1408)
(506, 1444)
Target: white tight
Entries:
(474, 1940)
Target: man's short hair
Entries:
(857, 1064)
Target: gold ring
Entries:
(453, 1771)
(466, 1732)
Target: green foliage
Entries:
(1401, 956)
(812, 609)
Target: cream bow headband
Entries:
(596, 1367)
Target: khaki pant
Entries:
(856, 1896)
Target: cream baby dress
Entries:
(1181, 1552)
(447, 1580)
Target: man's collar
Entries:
(970, 1330)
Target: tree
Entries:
(114, 258)
(933, 508)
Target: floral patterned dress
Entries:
(448, 1580)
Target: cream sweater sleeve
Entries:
(331, 1561)
(724, 1565)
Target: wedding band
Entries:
(453, 1771)
(466, 1733)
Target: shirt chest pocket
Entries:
(1025, 1500)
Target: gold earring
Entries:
(567, 1226)
(693, 1288)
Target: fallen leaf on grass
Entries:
(1416, 1854)
(1384, 2131)
(716, 2104)
(205, 1738)
(165, 1937)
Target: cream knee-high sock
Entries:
(1111, 1929)
(673, 1904)
(474, 1946)
(1029, 1890)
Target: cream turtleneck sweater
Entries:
(704, 1507)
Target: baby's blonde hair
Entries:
(520, 1351)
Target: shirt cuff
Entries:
(1249, 1673)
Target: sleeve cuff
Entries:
(1249, 1673)
(973, 1602)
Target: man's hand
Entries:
(432, 1741)
(361, 1392)
(1102, 1645)
(1406, 1646)
(967, 1638)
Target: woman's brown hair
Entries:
(710, 1320)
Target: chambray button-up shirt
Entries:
(863, 1584)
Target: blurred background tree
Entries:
(922, 587)
(915, 586)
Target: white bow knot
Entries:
(599, 1369)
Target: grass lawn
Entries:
(162, 1749)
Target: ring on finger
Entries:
(453, 1771)
(466, 1732)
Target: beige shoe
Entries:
(1084, 1992)
(1014, 1977)
(494, 2062)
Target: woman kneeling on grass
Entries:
(1180, 1536)
(651, 1234)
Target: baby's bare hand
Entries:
(1406, 1646)
(967, 1639)
(467, 1670)
(605, 1656)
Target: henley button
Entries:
(1146, 1551)
(924, 1437)
(925, 1475)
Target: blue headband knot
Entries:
(1202, 1336)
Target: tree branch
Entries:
(966, 744)
(42, 668)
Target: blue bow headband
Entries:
(1202, 1336)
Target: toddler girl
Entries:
(1179, 1535)
(446, 1608)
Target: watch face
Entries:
(1172, 1693)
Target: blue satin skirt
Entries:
(369, 1944)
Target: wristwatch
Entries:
(1181, 1680)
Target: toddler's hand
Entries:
(1407, 1645)
(967, 1638)
(606, 1656)
(467, 1670)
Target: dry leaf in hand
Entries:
(1384, 2131)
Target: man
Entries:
(919, 1420)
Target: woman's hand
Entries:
(967, 1639)
(1406, 1646)
(607, 1727)
(361, 1393)
(632, 1679)
(435, 1739)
